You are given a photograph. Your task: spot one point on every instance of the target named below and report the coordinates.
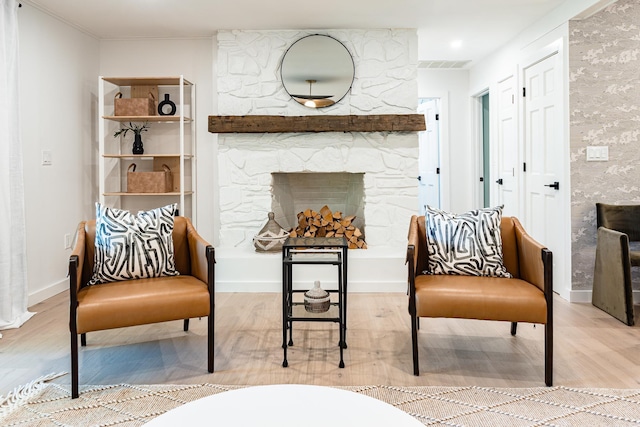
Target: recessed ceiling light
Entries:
(456, 44)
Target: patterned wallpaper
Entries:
(604, 93)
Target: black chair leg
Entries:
(548, 355)
(414, 341)
(210, 343)
(514, 328)
(186, 325)
(74, 365)
(83, 340)
(211, 276)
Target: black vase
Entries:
(166, 103)
(138, 148)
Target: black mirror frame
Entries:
(342, 95)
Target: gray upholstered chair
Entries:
(618, 225)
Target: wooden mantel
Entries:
(317, 123)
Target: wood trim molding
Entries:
(287, 124)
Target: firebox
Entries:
(292, 193)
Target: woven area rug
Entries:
(133, 405)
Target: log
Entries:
(326, 213)
(325, 223)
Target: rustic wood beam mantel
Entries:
(286, 124)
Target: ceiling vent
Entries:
(443, 64)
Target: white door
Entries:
(508, 169)
(429, 157)
(545, 190)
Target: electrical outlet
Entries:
(67, 241)
(47, 158)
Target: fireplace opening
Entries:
(292, 193)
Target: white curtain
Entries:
(13, 257)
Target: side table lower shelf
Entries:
(313, 251)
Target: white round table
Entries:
(286, 405)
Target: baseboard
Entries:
(580, 296)
(577, 296)
(369, 270)
(229, 280)
(42, 294)
(585, 296)
(276, 286)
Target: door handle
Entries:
(555, 185)
(499, 181)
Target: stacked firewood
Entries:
(329, 224)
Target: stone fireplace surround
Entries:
(385, 83)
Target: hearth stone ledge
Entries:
(369, 270)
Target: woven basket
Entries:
(271, 236)
(134, 106)
(149, 182)
(316, 299)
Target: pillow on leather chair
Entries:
(129, 246)
(465, 244)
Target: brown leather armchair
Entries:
(612, 287)
(527, 297)
(141, 301)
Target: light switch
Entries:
(598, 153)
(46, 158)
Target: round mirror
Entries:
(317, 71)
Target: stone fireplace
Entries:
(372, 173)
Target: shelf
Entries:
(299, 312)
(173, 144)
(176, 193)
(154, 119)
(144, 156)
(131, 81)
(333, 258)
(318, 123)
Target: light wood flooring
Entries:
(592, 349)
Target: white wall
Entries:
(457, 87)
(457, 168)
(58, 68)
(533, 44)
(504, 61)
(59, 73)
(195, 59)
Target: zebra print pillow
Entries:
(131, 246)
(465, 244)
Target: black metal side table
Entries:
(313, 251)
